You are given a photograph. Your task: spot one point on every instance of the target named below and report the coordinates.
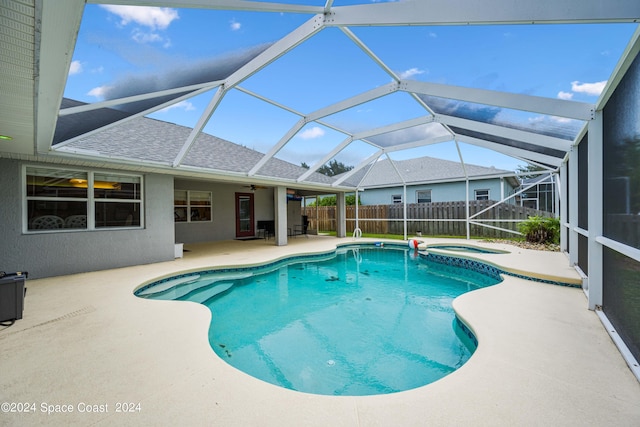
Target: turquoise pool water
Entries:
(361, 321)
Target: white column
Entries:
(341, 215)
(556, 195)
(356, 208)
(280, 203)
(596, 204)
(467, 208)
(404, 209)
(562, 190)
(573, 204)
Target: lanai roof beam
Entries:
(535, 104)
(512, 151)
(141, 97)
(241, 5)
(506, 132)
(487, 12)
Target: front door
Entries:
(244, 215)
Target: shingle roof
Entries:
(415, 171)
(154, 140)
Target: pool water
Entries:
(364, 321)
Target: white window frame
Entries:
(396, 198)
(423, 191)
(90, 200)
(189, 205)
(475, 194)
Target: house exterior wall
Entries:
(222, 226)
(440, 192)
(60, 253)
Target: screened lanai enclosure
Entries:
(172, 88)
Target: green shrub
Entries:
(539, 229)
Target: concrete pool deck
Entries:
(85, 342)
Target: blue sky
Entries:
(117, 43)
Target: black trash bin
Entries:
(11, 295)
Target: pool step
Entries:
(158, 289)
(179, 288)
(203, 294)
(183, 292)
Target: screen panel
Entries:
(621, 159)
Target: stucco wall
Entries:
(441, 192)
(222, 227)
(54, 254)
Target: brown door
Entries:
(244, 215)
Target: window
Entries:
(423, 196)
(59, 199)
(192, 206)
(481, 194)
(396, 198)
(117, 200)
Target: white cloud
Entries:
(410, 73)
(99, 91)
(311, 133)
(234, 25)
(182, 105)
(565, 95)
(76, 67)
(143, 37)
(549, 122)
(593, 89)
(152, 17)
(560, 119)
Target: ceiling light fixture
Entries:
(6, 137)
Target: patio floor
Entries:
(84, 340)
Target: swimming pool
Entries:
(362, 320)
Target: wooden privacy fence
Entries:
(439, 218)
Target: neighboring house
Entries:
(428, 179)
